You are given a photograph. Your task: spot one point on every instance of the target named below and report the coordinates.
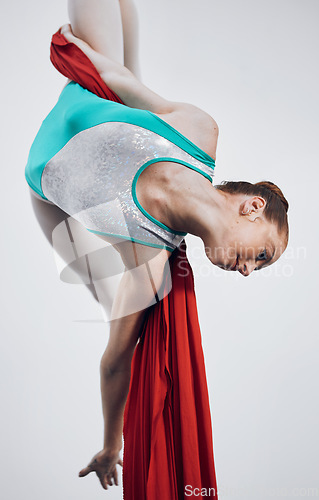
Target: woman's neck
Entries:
(203, 211)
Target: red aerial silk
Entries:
(69, 60)
(168, 446)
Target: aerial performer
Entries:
(136, 171)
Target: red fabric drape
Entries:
(69, 60)
(168, 447)
(167, 427)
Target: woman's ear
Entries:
(255, 205)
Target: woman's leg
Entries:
(130, 36)
(99, 23)
(109, 27)
(83, 258)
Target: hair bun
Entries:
(275, 190)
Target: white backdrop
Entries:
(253, 66)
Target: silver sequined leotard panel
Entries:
(93, 176)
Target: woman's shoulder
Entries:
(195, 124)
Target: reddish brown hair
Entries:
(276, 204)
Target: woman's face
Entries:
(250, 243)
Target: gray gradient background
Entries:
(253, 65)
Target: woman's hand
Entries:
(101, 63)
(104, 464)
(120, 79)
(67, 32)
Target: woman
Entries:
(140, 177)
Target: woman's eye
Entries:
(262, 256)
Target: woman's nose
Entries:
(247, 268)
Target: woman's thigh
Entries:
(80, 256)
(99, 262)
(99, 23)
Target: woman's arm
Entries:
(121, 80)
(115, 366)
(146, 268)
(115, 374)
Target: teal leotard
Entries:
(88, 155)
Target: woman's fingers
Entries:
(85, 471)
(103, 480)
(116, 481)
(67, 32)
(66, 28)
(105, 467)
